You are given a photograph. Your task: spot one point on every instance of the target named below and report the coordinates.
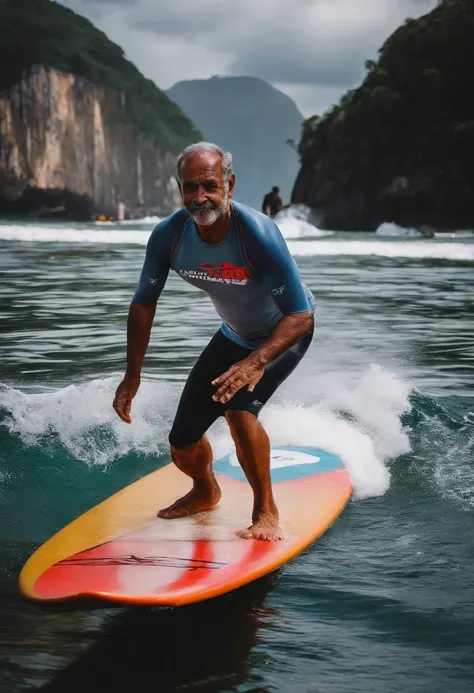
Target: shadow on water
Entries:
(205, 647)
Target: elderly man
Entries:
(239, 257)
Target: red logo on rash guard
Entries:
(226, 271)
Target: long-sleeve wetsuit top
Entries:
(250, 275)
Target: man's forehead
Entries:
(205, 162)
(201, 177)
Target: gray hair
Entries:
(226, 157)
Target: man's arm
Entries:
(289, 330)
(140, 316)
(272, 260)
(250, 370)
(139, 324)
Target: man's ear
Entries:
(232, 183)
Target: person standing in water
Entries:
(272, 202)
(239, 257)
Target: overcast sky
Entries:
(313, 50)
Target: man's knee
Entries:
(241, 422)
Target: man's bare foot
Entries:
(201, 497)
(266, 527)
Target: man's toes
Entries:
(270, 537)
(245, 534)
(261, 534)
(169, 514)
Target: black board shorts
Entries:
(197, 411)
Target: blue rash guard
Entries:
(250, 275)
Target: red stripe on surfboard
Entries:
(253, 552)
(202, 551)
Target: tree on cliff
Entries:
(400, 147)
(43, 32)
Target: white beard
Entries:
(207, 217)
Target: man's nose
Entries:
(200, 196)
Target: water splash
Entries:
(360, 422)
(304, 240)
(81, 419)
(369, 420)
(391, 229)
(443, 450)
(426, 249)
(293, 223)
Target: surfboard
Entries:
(120, 551)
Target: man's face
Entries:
(205, 194)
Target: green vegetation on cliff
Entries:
(43, 32)
(400, 147)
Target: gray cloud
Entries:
(292, 63)
(326, 43)
(306, 44)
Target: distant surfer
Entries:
(239, 257)
(272, 202)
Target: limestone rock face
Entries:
(67, 147)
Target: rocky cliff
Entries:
(254, 121)
(75, 145)
(400, 147)
(64, 150)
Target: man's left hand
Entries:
(246, 372)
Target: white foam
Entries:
(153, 220)
(292, 229)
(293, 223)
(64, 234)
(5, 476)
(454, 477)
(359, 422)
(445, 462)
(297, 228)
(111, 233)
(462, 233)
(297, 211)
(397, 249)
(293, 424)
(81, 417)
(389, 229)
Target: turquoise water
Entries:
(383, 601)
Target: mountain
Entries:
(80, 127)
(400, 147)
(252, 120)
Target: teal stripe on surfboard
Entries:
(287, 463)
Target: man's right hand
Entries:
(124, 394)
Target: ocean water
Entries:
(383, 602)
